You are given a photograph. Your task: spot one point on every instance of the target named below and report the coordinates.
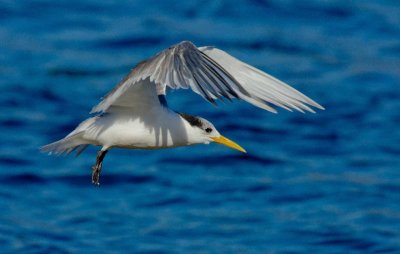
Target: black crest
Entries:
(194, 121)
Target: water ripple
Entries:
(221, 160)
(310, 183)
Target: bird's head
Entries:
(206, 132)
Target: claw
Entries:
(95, 175)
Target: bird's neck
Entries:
(181, 127)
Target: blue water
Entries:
(310, 183)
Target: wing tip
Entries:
(94, 110)
(320, 107)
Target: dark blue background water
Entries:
(310, 183)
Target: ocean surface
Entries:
(310, 183)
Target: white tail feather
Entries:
(72, 142)
(66, 145)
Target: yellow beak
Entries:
(224, 141)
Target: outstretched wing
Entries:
(261, 85)
(209, 72)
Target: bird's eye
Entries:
(208, 130)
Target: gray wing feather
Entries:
(211, 73)
(261, 86)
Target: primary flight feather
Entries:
(135, 113)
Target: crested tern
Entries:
(135, 113)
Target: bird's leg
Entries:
(96, 169)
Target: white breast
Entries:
(156, 128)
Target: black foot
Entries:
(96, 169)
(96, 175)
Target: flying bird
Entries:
(135, 114)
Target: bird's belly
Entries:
(135, 133)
